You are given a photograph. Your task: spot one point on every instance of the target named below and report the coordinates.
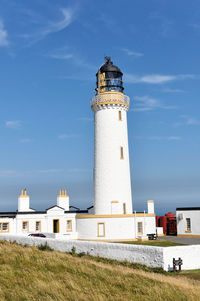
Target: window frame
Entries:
(1, 227)
(25, 230)
(68, 229)
(140, 232)
(188, 224)
(98, 234)
(36, 226)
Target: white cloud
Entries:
(61, 54)
(72, 170)
(155, 78)
(52, 27)
(174, 138)
(132, 53)
(187, 120)
(146, 103)
(51, 170)
(169, 138)
(190, 120)
(3, 35)
(169, 90)
(25, 140)
(159, 138)
(67, 136)
(13, 124)
(7, 173)
(66, 53)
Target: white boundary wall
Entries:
(189, 255)
(146, 255)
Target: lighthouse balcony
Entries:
(110, 98)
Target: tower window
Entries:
(188, 225)
(120, 115)
(121, 152)
(140, 228)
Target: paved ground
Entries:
(182, 240)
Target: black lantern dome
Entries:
(109, 78)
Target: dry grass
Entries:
(27, 273)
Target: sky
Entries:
(50, 52)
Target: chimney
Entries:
(63, 200)
(150, 206)
(24, 202)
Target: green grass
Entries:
(27, 273)
(155, 243)
(191, 274)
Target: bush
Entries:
(45, 247)
(81, 254)
(73, 251)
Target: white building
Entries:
(188, 221)
(111, 217)
(72, 223)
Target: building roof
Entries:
(91, 207)
(54, 207)
(73, 207)
(77, 211)
(187, 208)
(15, 213)
(31, 212)
(8, 214)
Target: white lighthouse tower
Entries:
(112, 183)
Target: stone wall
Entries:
(146, 255)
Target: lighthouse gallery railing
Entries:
(110, 98)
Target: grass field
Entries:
(155, 243)
(27, 273)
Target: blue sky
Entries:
(49, 54)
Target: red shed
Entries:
(168, 222)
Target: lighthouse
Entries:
(112, 182)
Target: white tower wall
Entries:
(112, 184)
